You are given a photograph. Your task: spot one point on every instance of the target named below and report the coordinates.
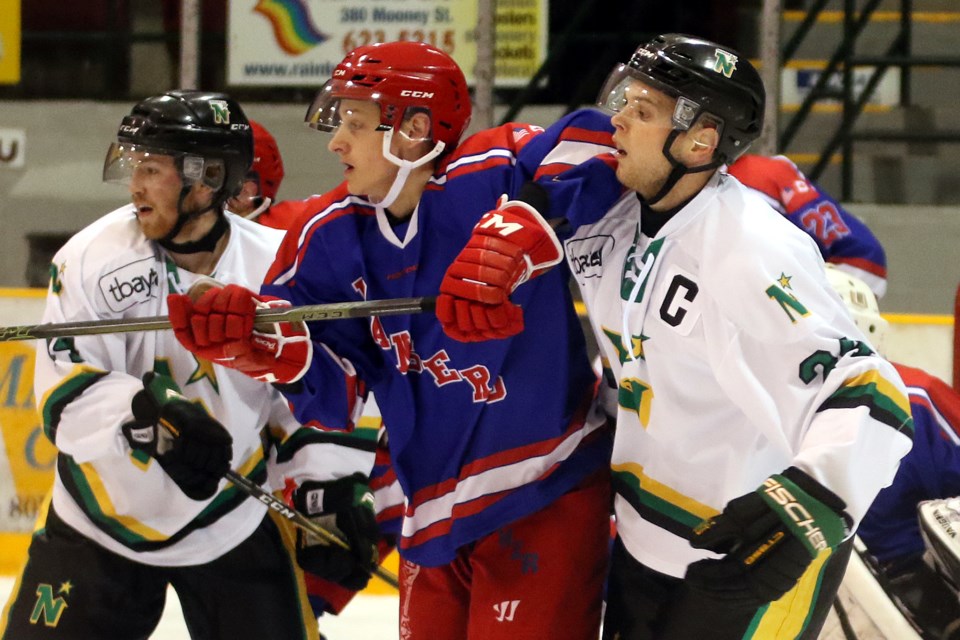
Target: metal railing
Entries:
(844, 59)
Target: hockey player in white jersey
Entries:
(145, 431)
(755, 424)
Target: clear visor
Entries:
(124, 161)
(324, 112)
(615, 96)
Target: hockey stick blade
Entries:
(253, 489)
(265, 317)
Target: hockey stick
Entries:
(297, 518)
(265, 317)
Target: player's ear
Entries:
(418, 126)
(703, 143)
(202, 194)
(415, 138)
(243, 202)
(707, 140)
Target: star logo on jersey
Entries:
(623, 354)
(203, 371)
(784, 280)
(65, 588)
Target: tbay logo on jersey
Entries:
(130, 285)
(585, 255)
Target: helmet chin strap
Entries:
(264, 205)
(406, 166)
(679, 169)
(209, 241)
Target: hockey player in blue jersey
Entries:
(498, 447)
(753, 425)
(930, 471)
(844, 240)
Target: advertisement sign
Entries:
(29, 457)
(299, 42)
(9, 41)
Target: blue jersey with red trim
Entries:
(930, 470)
(842, 238)
(480, 434)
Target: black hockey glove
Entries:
(770, 536)
(345, 508)
(194, 449)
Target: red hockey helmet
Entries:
(398, 76)
(267, 163)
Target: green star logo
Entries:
(636, 345)
(204, 370)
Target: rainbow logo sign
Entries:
(292, 25)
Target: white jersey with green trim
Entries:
(731, 359)
(123, 499)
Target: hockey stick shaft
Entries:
(252, 488)
(265, 317)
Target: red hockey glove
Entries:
(219, 327)
(510, 245)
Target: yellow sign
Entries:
(30, 456)
(9, 41)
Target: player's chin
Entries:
(152, 230)
(362, 188)
(629, 179)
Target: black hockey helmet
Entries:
(208, 135)
(705, 78)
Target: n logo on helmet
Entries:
(725, 62)
(221, 112)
